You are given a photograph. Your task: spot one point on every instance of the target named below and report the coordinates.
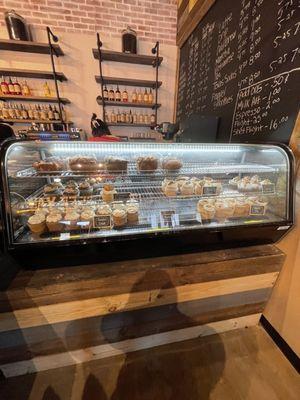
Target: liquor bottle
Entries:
(4, 86)
(17, 87)
(127, 118)
(47, 91)
(152, 119)
(141, 118)
(30, 112)
(140, 97)
(118, 117)
(5, 112)
(125, 96)
(107, 117)
(147, 119)
(18, 111)
(113, 117)
(24, 112)
(123, 117)
(56, 114)
(146, 97)
(11, 88)
(105, 93)
(134, 96)
(150, 97)
(111, 94)
(134, 118)
(50, 113)
(118, 94)
(43, 114)
(64, 114)
(11, 111)
(130, 117)
(25, 89)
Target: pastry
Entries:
(119, 217)
(108, 192)
(132, 214)
(171, 189)
(118, 205)
(187, 189)
(114, 164)
(266, 182)
(71, 183)
(53, 222)
(85, 189)
(83, 163)
(242, 208)
(37, 223)
(44, 211)
(88, 217)
(171, 164)
(51, 164)
(52, 191)
(181, 180)
(148, 164)
(198, 187)
(207, 211)
(223, 210)
(164, 183)
(248, 184)
(103, 209)
(233, 183)
(71, 219)
(71, 193)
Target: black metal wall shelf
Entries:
(128, 104)
(27, 73)
(132, 125)
(128, 82)
(37, 121)
(29, 47)
(41, 99)
(117, 56)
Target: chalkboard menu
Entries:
(242, 63)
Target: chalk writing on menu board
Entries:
(242, 63)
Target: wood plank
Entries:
(127, 301)
(27, 73)
(34, 98)
(117, 56)
(128, 104)
(48, 339)
(45, 363)
(28, 46)
(109, 80)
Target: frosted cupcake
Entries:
(108, 192)
(132, 214)
(119, 217)
(37, 224)
(72, 217)
(88, 217)
(53, 222)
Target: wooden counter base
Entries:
(53, 318)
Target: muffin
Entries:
(187, 189)
(108, 192)
(53, 222)
(71, 183)
(171, 189)
(85, 189)
(147, 164)
(83, 164)
(37, 223)
(171, 164)
(71, 193)
(52, 191)
(119, 217)
(103, 209)
(132, 214)
(88, 217)
(71, 219)
(115, 164)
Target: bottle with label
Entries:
(50, 113)
(25, 89)
(11, 88)
(47, 91)
(107, 117)
(24, 112)
(113, 117)
(152, 119)
(17, 87)
(36, 113)
(118, 117)
(43, 114)
(123, 117)
(127, 118)
(134, 96)
(5, 112)
(111, 95)
(146, 119)
(130, 117)
(105, 93)
(141, 118)
(125, 96)
(4, 86)
(56, 114)
(134, 118)
(64, 114)
(18, 111)
(118, 94)
(11, 111)
(150, 97)
(30, 112)
(146, 97)
(140, 96)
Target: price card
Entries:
(209, 190)
(269, 188)
(64, 236)
(154, 223)
(102, 222)
(168, 219)
(257, 210)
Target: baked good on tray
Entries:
(224, 209)
(85, 189)
(53, 222)
(71, 193)
(37, 223)
(83, 163)
(132, 214)
(206, 210)
(108, 192)
(119, 217)
(71, 219)
(103, 209)
(147, 164)
(171, 164)
(51, 164)
(187, 188)
(171, 189)
(88, 217)
(116, 164)
(71, 183)
(242, 208)
(52, 190)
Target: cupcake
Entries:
(71, 193)
(71, 183)
(147, 164)
(132, 214)
(52, 191)
(119, 217)
(88, 217)
(53, 222)
(103, 209)
(44, 211)
(108, 192)
(71, 219)
(114, 164)
(119, 205)
(171, 189)
(85, 189)
(171, 164)
(187, 189)
(37, 223)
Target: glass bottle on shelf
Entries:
(134, 118)
(4, 86)
(56, 113)
(123, 117)
(118, 117)
(146, 97)
(47, 91)
(25, 89)
(64, 114)
(30, 112)
(107, 117)
(150, 97)
(125, 96)
(152, 119)
(134, 96)
(118, 94)
(130, 117)
(127, 118)
(140, 96)
(113, 117)
(11, 88)
(43, 114)
(5, 111)
(50, 113)
(147, 118)
(17, 87)
(18, 111)
(24, 112)
(105, 93)
(111, 94)
(36, 113)
(141, 118)
(11, 111)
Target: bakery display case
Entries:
(72, 193)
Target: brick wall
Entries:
(152, 19)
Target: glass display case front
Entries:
(56, 192)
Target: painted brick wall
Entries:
(152, 19)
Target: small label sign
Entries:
(257, 210)
(209, 190)
(269, 188)
(102, 222)
(167, 219)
